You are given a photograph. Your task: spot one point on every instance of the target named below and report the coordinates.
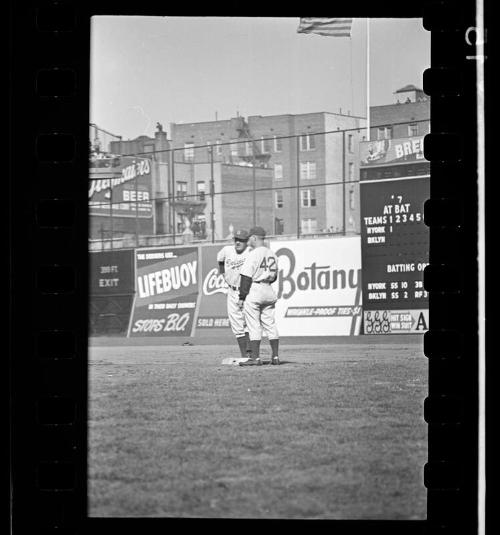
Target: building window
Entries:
(181, 190)
(278, 199)
(352, 200)
(210, 148)
(413, 130)
(234, 147)
(350, 143)
(218, 148)
(149, 148)
(278, 171)
(200, 190)
(278, 145)
(248, 148)
(265, 145)
(199, 227)
(351, 171)
(308, 198)
(307, 170)
(180, 224)
(307, 142)
(188, 152)
(279, 226)
(384, 132)
(308, 225)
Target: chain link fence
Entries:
(293, 186)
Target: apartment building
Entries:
(292, 174)
(312, 157)
(181, 183)
(156, 149)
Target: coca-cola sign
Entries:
(214, 283)
(213, 303)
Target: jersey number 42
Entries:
(268, 263)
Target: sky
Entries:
(146, 70)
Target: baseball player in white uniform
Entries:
(257, 297)
(230, 259)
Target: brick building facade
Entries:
(231, 211)
(299, 153)
(307, 165)
(186, 179)
(409, 116)
(158, 147)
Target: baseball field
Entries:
(335, 432)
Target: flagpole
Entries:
(368, 79)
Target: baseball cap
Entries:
(257, 231)
(241, 234)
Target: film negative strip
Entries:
(49, 270)
(451, 408)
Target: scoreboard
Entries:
(394, 246)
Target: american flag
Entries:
(324, 26)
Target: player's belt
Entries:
(235, 288)
(261, 282)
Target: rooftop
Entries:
(268, 117)
(400, 113)
(409, 87)
(308, 113)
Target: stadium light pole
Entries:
(368, 122)
(343, 183)
(172, 193)
(212, 193)
(297, 139)
(102, 237)
(111, 231)
(254, 186)
(136, 213)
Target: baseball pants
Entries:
(235, 315)
(259, 311)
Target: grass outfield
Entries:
(336, 432)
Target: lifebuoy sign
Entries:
(166, 286)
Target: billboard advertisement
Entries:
(395, 252)
(395, 321)
(391, 151)
(318, 286)
(212, 310)
(124, 190)
(166, 282)
(111, 272)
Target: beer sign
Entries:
(123, 191)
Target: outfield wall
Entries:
(111, 292)
(178, 291)
(319, 286)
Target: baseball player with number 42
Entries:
(257, 297)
